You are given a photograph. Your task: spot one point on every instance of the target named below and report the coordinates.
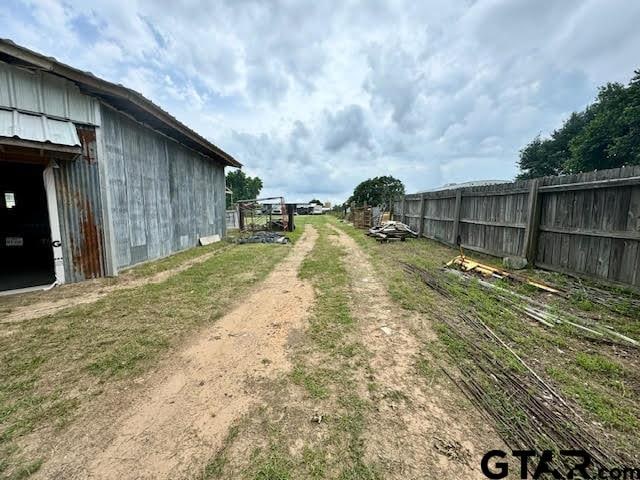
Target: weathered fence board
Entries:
(586, 224)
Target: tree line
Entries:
(606, 134)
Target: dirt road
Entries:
(177, 422)
(421, 428)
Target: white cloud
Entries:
(315, 97)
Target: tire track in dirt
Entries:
(180, 421)
(419, 430)
(49, 307)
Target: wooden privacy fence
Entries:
(586, 224)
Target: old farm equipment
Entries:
(266, 214)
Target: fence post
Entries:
(404, 210)
(533, 222)
(421, 219)
(456, 217)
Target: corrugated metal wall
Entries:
(36, 91)
(77, 181)
(80, 212)
(163, 195)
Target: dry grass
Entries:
(55, 367)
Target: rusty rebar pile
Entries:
(529, 412)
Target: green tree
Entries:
(590, 148)
(242, 186)
(549, 156)
(377, 191)
(316, 201)
(604, 135)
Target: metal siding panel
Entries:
(169, 194)
(41, 92)
(133, 168)
(114, 151)
(54, 93)
(80, 212)
(80, 107)
(30, 127)
(149, 176)
(220, 204)
(6, 123)
(26, 89)
(163, 199)
(212, 224)
(201, 199)
(5, 85)
(37, 128)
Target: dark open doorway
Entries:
(26, 255)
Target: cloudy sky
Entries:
(315, 97)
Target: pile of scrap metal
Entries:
(392, 231)
(549, 417)
(533, 308)
(275, 225)
(264, 237)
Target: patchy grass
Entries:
(600, 378)
(314, 421)
(56, 366)
(175, 260)
(595, 363)
(313, 382)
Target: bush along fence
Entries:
(586, 224)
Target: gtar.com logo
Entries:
(495, 464)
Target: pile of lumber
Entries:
(390, 231)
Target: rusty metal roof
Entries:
(38, 128)
(120, 97)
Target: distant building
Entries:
(473, 183)
(94, 177)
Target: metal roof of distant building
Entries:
(472, 183)
(121, 97)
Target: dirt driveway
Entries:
(437, 434)
(181, 418)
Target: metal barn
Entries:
(94, 177)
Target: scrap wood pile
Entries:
(391, 230)
(264, 237)
(527, 410)
(466, 264)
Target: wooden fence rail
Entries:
(586, 224)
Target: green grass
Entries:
(595, 363)
(175, 260)
(53, 367)
(603, 384)
(327, 363)
(272, 465)
(313, 382)
(425, 368)
(604, 407)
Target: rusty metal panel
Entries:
(40, 92)
(164, 195)
(80, 211)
